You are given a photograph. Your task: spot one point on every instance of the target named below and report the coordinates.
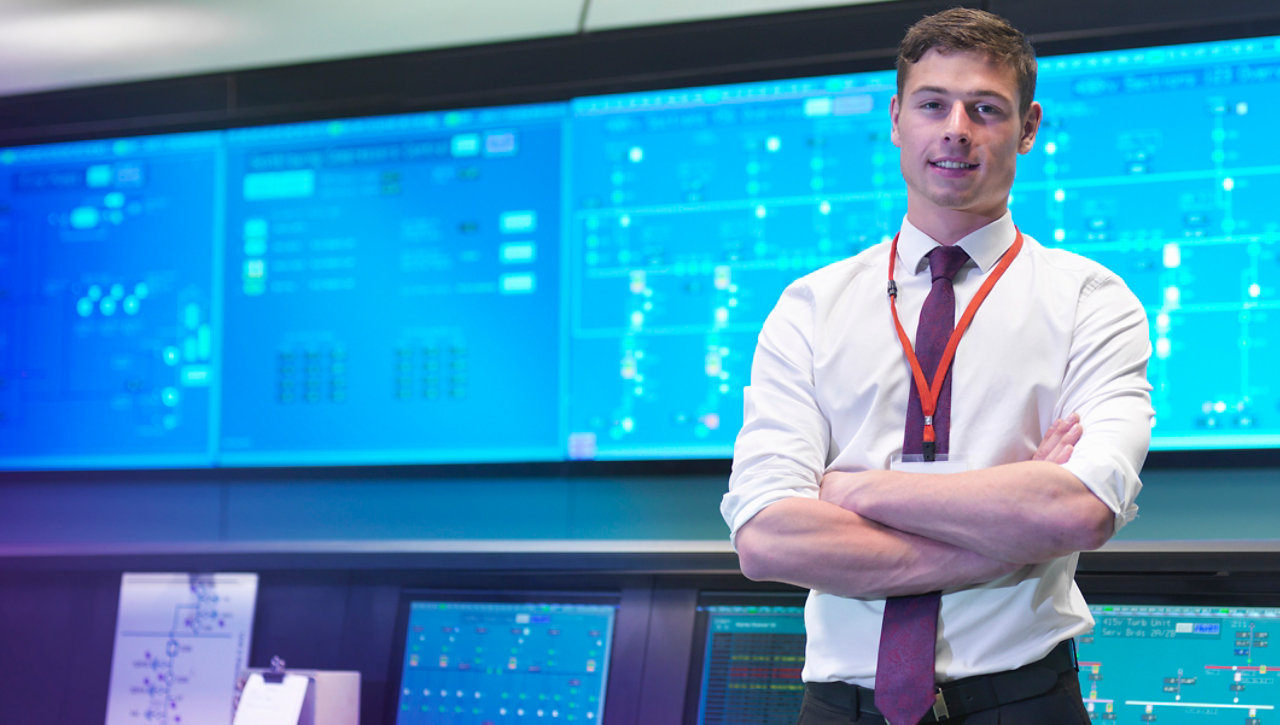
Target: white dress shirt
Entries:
(829, 385)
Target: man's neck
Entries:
(948, 226)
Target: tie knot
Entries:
(944, 262)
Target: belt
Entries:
(964, 696)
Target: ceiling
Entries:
(59, 44)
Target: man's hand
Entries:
(1060, 440)
(841, 488)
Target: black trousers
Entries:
(1061, 705)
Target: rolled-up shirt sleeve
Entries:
(1106, 383)
(782, 447)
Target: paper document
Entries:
(181, 640)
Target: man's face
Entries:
(960, 133)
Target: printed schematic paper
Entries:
(181, 641)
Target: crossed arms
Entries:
(875, 534)
(869, 533)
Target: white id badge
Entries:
(944, 463)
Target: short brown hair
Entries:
(967, 29)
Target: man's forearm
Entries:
(1020, 513)
(817, 545)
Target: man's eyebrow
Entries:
(976, 93)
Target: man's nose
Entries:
(957, 129)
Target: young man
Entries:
(1028, 453)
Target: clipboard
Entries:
(276, 697)
(328, 697)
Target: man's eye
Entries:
(987, 109)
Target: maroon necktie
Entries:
(908, 635)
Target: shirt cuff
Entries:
(1109, 484)
(737, 509)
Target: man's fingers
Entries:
(1063, 454)
(1050, 441)
(1060, 440)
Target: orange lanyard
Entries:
(929, 393)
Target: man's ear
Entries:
(1030, 126)
(894, 109)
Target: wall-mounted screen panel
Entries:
(691, 212)
(502, 657)
(392, 289)
(108, 300)
(583, 279)
(1173, 664)
(1180, 205)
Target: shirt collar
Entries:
(984, 246)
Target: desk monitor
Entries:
(1181, 664)
(747, 655)
(472, 658)
(1170, 664)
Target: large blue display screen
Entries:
(586, 279)
(1156, 163)
(391, 289)
(691, 211)
(107, 302)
